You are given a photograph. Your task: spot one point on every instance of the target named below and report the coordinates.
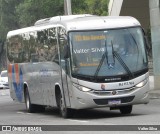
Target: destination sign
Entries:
(89, 37)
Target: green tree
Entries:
(79, 6)
(30, 11)
(8, 17)
(98, 7)
(16, 14)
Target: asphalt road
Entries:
(14, 113)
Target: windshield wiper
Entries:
(99, 66)
(109, 57)
(101, 62)
(115, 54)
(126, 68)
(123, 64)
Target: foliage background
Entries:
(16, 14)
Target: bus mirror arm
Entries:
(145, 39)
(147, 43)
(66, 51)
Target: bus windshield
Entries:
(108, 52)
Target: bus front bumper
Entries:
(84, 100)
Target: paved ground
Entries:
(13, 113)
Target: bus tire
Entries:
(32, 108)
(65, 112)
(126, 109)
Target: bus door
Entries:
(65, 71)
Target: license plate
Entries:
(113, 102)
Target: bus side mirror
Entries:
(146, 40)
(148, 46)
(66, 51)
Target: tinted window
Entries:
(34, 46)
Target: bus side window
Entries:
(52, 45)
(31, 46)
(16, 52)
(46, 45)
(40, 45)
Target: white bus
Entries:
(79, 62)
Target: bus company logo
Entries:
(114, 92)
(16, 76)
(103, 87)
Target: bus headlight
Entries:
(141, 84)
(84, 89)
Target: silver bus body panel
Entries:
(45, 75)
(40, 79)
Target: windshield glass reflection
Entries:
(93, 52)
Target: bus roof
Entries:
(80, 22)
(100, 22)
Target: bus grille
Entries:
(105, 101)
(109, 93)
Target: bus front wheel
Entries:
(126, 109)
(64, 111)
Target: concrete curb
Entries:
(154, 93)
(154, 96)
